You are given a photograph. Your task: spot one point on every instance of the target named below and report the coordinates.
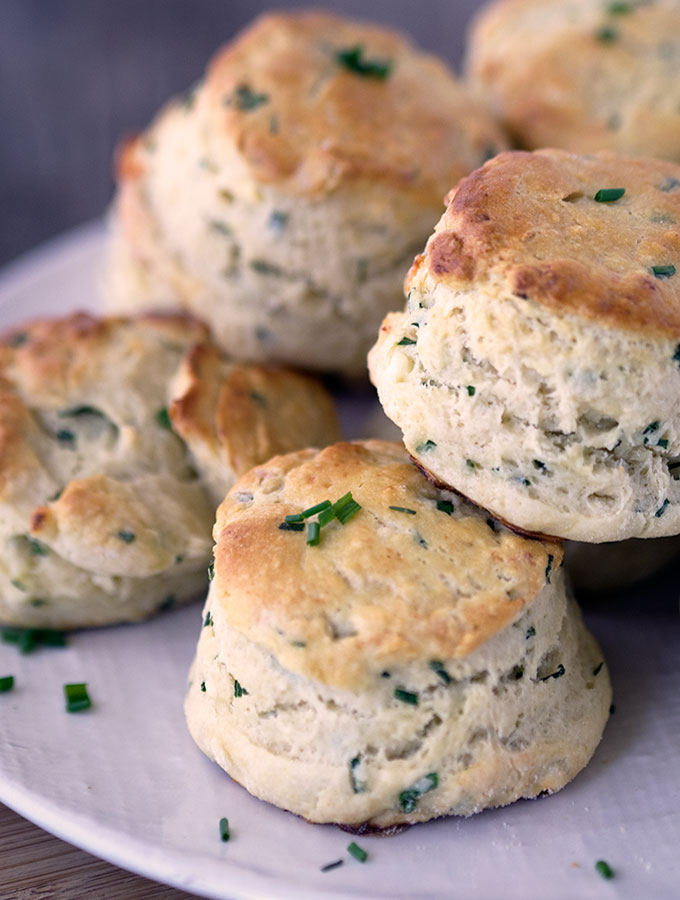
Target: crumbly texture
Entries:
(233, 417)
(102, 518)
(118, 440)
(582, 75)
(411, 665)
(284, 198)
(536, 368)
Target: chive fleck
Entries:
(127, 536)
(491, 523)
(409, 797)
(313, 510)
(662, 509)
(221, 227)
(21, 337)
(606, 34)
(211, 571)
(356, 851)
(666, 271)
(163, 418)
(405, 341)
(426, 446)
(531, 632)
(471, 390)
(406, 696)
(262, 267)
(208, 619)
(538, 464)
(437, 667)
(404, 509)
(245, 99)
(224, 829)
(292, 526)
(37, 549)
(353, 59)
(77, 411)
(663, 442)
(203, 688)
(66, 436)
(77, 698)
(609, 195)
(313, 534)
(258, 399)
(6, 684)
(345, 512)
(445, 506)
(676, 355)
(27, 639)
(278, 220)
(619, 8)
(357, 786)
(239, 690)
(548, 568)
(470, 463)
(604, 869)
(558, 673)
(332, 865)
(598, 668)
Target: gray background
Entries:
(76, 75)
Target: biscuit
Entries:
(106, 512)
(419, 661)
(285, 197)
(583, 75)
(233, 417)
(536, 368)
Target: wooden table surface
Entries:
(35, 865)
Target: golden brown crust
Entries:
(242, 415)
(385, 589)
(313, 123)
(527, 224)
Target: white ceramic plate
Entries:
(125, 781)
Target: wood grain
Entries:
(35, 865)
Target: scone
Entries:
(106, 514)
(233, 416)
(583, 75)
(284, 198)
(536, 368)
(406, 659)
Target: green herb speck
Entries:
(406, 696)
(245, 99)
(662, 509)
(313, 534)
(208, 619)
(224, 829)
(126, 536)
(353, 59)
(558, 673)
(404, 509)
(356, 851)
(6, 683)
(66, 436)
(471, 390)
(239, 690)
(292, 526)
(445, 506)
(77, 697)
(163, 418)
(37, 549)
(598, 668)
(203, 688)
(666, 271)
(609, 195)
(426, 446)
(437, 667)
(18, 339)
(531, 632)
(606, 34)
(332, 865)
(619, 8)
(548, 568)
(405, 341)
(604, 869)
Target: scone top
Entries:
(596, 236)
(310, 101)
(415, 573)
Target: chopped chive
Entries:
(48, 637)
(211, 571)
(277, 220)
(409, 797)
(292, 526)
(604, 869)
(313, 534)
(356, 851)
(313, 510)
(37, 601)
(663, 442)
(27, 639)
(437, 667)
(6, 684)
(425, 446)
(662, 509)
(77, 698)
(178, 559)
(404, 509)
(470, 463)
(663, 271)
(353, 59)
(531, 632)
(538, 464)
(548, 568)
(651, 428)
(331, 865)
(471, 390)
(598, 668)
(21, 337)
(203, 688)
(19, 585)
(245, 99)
(208, 619)
(326, 516)
(258, 399)
(609, 195)
(491, 523)
(262, 267)
(619, 8)
(127, 536)
(405, 341)
(239, 690)
(606, 34)
(224, 829)
(222, 227)
(348, 510)
(37, 549)
(76, 411)
(293, 517)
(558, 673)
(66, 436)
(357, 786)
(298, 643)
(163, 418)
(676, 355)
(445, 506)
(406, 696)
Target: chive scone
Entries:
(378, 652)
(536, 368)
(585, 75)
(283, 199)
(106, 513)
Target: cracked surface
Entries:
(506, 701)
(554, 406)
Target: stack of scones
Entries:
(389, 634)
